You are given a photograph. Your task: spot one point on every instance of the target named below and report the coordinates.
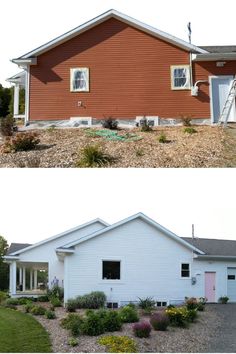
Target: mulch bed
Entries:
(62, 148)
(195, 338)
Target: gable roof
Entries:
(124, 221)
(27, 248)
(14, 247)
(102, 18)
(213, 247)
(220, 48)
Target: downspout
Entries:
(27, 93)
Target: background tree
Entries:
(5, 98)
(4, 268)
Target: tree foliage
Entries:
(4, 268)
(5, 98)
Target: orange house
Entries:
(114, 65)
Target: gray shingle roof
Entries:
(220, 48)
(14, 247)
(213, 246)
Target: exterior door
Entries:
(220, 87)
(210, 286)
(231, 284)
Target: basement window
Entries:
(231, 277)
(185, 270)
(180, 77)
(79, 80)
(110, 270)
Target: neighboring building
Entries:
(133, 258)
(114, 65)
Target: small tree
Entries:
(4, 268)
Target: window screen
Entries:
(111, 270)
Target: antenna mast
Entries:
(189, 32)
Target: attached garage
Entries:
(231, 283)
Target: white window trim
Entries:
(72, 71)
(189, 277)
(173, 87)
(111, 280)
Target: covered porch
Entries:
(28, 278)
(19, 83)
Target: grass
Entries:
(21, 333)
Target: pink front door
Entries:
(210, 286)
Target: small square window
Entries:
(231, 277)
(79, 80)
(180, 77)
(111, 270)
(185, 270)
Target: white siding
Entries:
(46, 252)
(150, 265)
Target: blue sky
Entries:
(25, 25)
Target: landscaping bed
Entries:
(64, 148)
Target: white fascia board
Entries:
(103, 17)
(60, 235)
(25, 61)
(214, 57)
(10, 258)
(63, 250)
(17, 77)
(124, 221)
(216, 258)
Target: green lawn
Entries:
(21, 333)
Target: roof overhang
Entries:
(17, 79)
(8, 259)
(207, 257)
(98, 20)
(25, 61)
(214, 57)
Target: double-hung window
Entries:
(185, 270)
(79, 80)
(180, 77)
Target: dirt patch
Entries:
(208, 147)
(195, 338)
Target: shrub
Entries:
(73, 342)
(192, 315)
(28, 306)
(73, 322)
(190, 130)
(118, 344)
(142, 329)
(191, 303)
(12, 301)
(160, 321)
(162, 138)
(43, 298)
(94, 324)
(24, 300)
(110, 123)
(56, 291)
(186, 120)
(112, 321)
(7, 126)
(37, 310)
(50, 315)
(223, 299)
(71, 305)
(55, 301)
(146, 303)
(21, 142)
(94, 300)
(146, 127)
(3, 296)
(200, 307)
(128, 314)
(93, 156)
(178, 316)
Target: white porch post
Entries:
(20, 275)
(35, 279)
(13, 278)
(31, 279)
(16, 99)
(23, 283)
(27, 93)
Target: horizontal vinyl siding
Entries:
(150, 265)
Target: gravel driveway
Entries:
(224, 340)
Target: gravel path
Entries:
(62, 148)
(198, 337)
(224, 340)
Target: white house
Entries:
(133, 258)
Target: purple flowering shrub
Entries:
(160, 321)
(142, 329)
